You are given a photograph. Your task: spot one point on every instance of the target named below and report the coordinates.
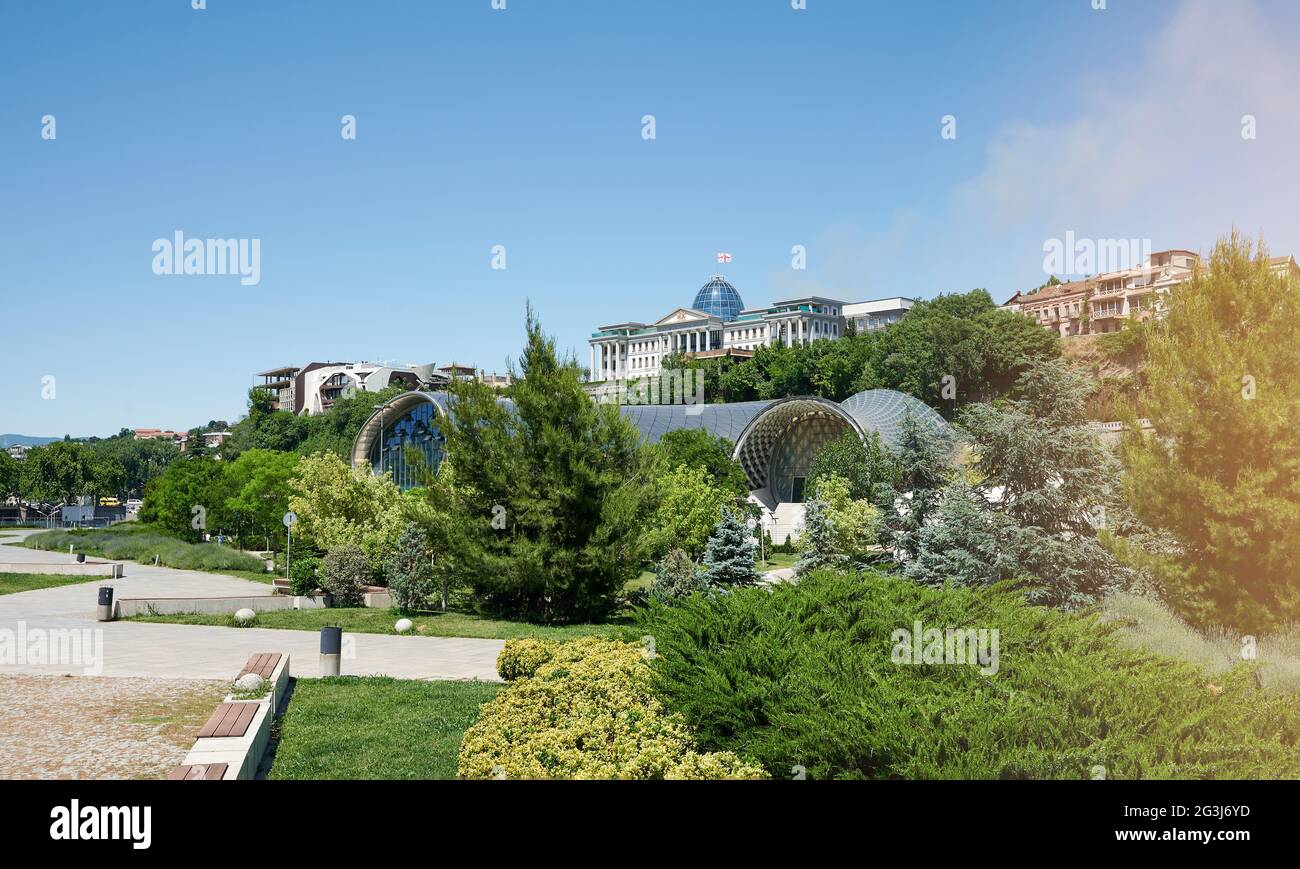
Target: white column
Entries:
(591, 362)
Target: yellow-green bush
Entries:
(521, 658)
(587, 713)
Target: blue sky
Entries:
(522, 127)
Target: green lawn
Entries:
(15, 582)
(362, 620)
(349, 727)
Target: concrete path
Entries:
(199, 651)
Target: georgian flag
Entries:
(724, 257)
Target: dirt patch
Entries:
(83, 727)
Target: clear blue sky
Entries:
(522, 127)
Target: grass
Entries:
(142, 543)
(1148, 624)
(369, 620)
(346, 727)
(11, 583)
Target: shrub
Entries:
(142, 544)
(587, 713)
(676, 576)
(345, 573)
(304, 574)
(805, 674)
(521, 658)
(409, 570)
(729, 554)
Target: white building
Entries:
(716, 324)
(874, 315)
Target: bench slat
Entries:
(263, 664)
(197, 772)
(230, 719)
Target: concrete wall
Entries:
(220, 606)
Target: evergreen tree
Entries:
(729, 554)
(817, 541)
(1222, 473)
(548, 495)
(925, 467)
(676, 576)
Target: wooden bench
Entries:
(198, 772)
(230, 719)
(263, 664)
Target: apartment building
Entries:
(1102, 303)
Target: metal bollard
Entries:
(331, 649)
(105, 611)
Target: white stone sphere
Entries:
(403, 626)
(245, 615)
(250, 682)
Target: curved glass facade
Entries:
(882, 410)
(720, 298)
(416, 429)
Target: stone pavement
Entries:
(136, 649)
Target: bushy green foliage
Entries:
(690, 504)
(280, 430)
(696, 448)
(853, 525)
(548, 505)
(867, 466)
(926, 465)
(344, 573)
(304, 574)
(187, 498)
(587, 713)
(677, 575)
(10, 475)
(804, 674)
(256, 487)
(337, 505)
(61, 471)
(729, 554)
(1042, 483)
(520, 659)
(142, 544)
(1222, 473)
(409, 570)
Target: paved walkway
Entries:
(202, 652)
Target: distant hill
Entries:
(9, 440)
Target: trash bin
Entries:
(331, 648)
(105, 611)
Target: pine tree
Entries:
(1222, 472)
(925, 467)
(729, 554)
(817, 542)
(548, 494)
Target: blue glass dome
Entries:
(718, 297)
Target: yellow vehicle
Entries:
(109, 502)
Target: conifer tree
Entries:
(1222, 472)
(729, 554)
